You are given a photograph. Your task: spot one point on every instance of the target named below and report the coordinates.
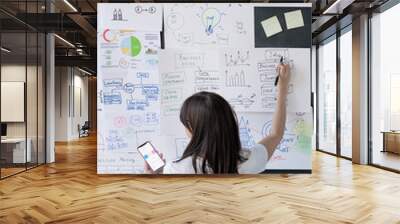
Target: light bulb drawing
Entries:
(210, 18)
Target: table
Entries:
(391, 141)
(16, 148)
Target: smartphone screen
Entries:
(151, 156)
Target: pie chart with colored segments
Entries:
(131, 46)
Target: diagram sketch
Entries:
(211, 18)
(299, 88)
(208, 24)
(246, 137)
(114, 141)
(138, 96)
(267, 73)
(297, 133)
(140, 9)
(287, 141)
(294, 146)
(244, 101)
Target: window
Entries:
(385, 89)
(22, 75)
(326, 103)
(346, 93)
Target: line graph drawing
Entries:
(244, 101)
(239, 59)
(235, 79)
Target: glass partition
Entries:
(32, 98)
(326, 132)
(22, 77)
(346, 93)
(385, 89)
(13, 95)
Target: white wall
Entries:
(71, 93)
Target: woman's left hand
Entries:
(148, 170)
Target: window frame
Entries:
(334, 37)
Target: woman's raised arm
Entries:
(272, 140)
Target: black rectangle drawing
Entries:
(288, 38)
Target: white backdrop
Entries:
(207, 47)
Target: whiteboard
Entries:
(207, 47)
(12, 101)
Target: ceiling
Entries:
(76, 22)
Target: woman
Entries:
(214, 146)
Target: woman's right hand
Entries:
(284, 75)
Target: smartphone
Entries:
(151, 156)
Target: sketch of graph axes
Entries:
(240, 59)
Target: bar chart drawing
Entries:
(235, 79)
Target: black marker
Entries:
(277, 77)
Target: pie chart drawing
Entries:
(131, 46)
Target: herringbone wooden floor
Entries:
(70, 191)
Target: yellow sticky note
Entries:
(294, 19)
(271, 26)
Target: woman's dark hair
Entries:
(215, 133)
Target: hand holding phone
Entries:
(151, 156)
